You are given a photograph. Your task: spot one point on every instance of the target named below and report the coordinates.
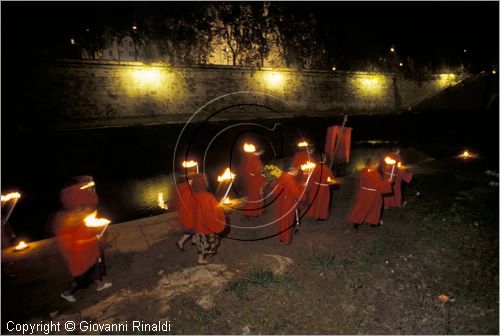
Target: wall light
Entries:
(151, 77)
(273, 80)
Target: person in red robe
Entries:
(368, 205)
(210, 219)
(318, 191)
(185, 203)
(288, 196)
(253, 182)
(79, 244)
(302, 156)
(398, 175)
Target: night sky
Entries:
(426, 31)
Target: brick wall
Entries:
(96, 90)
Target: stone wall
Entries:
(73, 90)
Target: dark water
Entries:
(132, 165)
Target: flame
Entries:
(467, 155)
(308, 166)
(226, 200)
(329, 180)
(390, 161)
(10, 196)
(92, 221)
(303, 144)
(249, 148)
(189, 164)
(161, 202)
(88, 185)
(21, 246)
(226, 176)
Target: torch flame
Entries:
(226, 176)
(329, 180)
(467, 155)
(249, 148)
(93, 222)
(390, 161)
(10, 196)
(189, 164)
(226, 200)
(303, 144)
(161, 202)
(21, 246)
(308, 166)
(88, 185)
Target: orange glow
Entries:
(308, 166)
(10, 196)
(226, 201)
(248, 148)
(189, 164)
(21, 246)
(390, 161)
(88, 185)
(226, 176)
(93, 222)
(467, 155)
(303, 144)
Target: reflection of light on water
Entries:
(146, 193)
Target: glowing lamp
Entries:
(248, 148)
(392, 50)
(400, 64)
(303, 144)
(21, 246)
(308, 166)
(274, 80)
(334, 69)
(13, 195)
(147, 76)
(493, 72)
(92, 222)
(227, 175)
(390, 161)
(88, 185)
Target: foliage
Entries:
(271, 172)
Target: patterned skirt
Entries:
(206, 244)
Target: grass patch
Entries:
(256, 276)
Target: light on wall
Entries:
(147, 76)
(372, 84)
(273, 80)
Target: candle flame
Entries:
(249, 148)
(303, 144)
(308, 166)
(93, 222)
(161, 202)
(88, 185)
(21, 246)
(226, 176)
(390, 161)
(189, 164)
(10, 196)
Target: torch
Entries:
(227, 175)
(92, 222)
(392, 162)
(191, 164)
(308, 168)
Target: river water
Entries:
(132, 165)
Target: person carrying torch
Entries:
(368, 206)
(253, 180)
(318, 190)
(392, 169)
(78, 233)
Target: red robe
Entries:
(72, 197)
(368, 206)
(78, 244)
(334, 134)
(394, 199)
(253, 180)
(209, 216)
(318, 192)
(286, 204)
(185, 205)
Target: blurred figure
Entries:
(209, 219)
(368, 206)
(288, 196)
(185, 205)
(397, 174)
(253, 183)
(79, 244)
(318, 190)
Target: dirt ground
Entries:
(332, 279)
